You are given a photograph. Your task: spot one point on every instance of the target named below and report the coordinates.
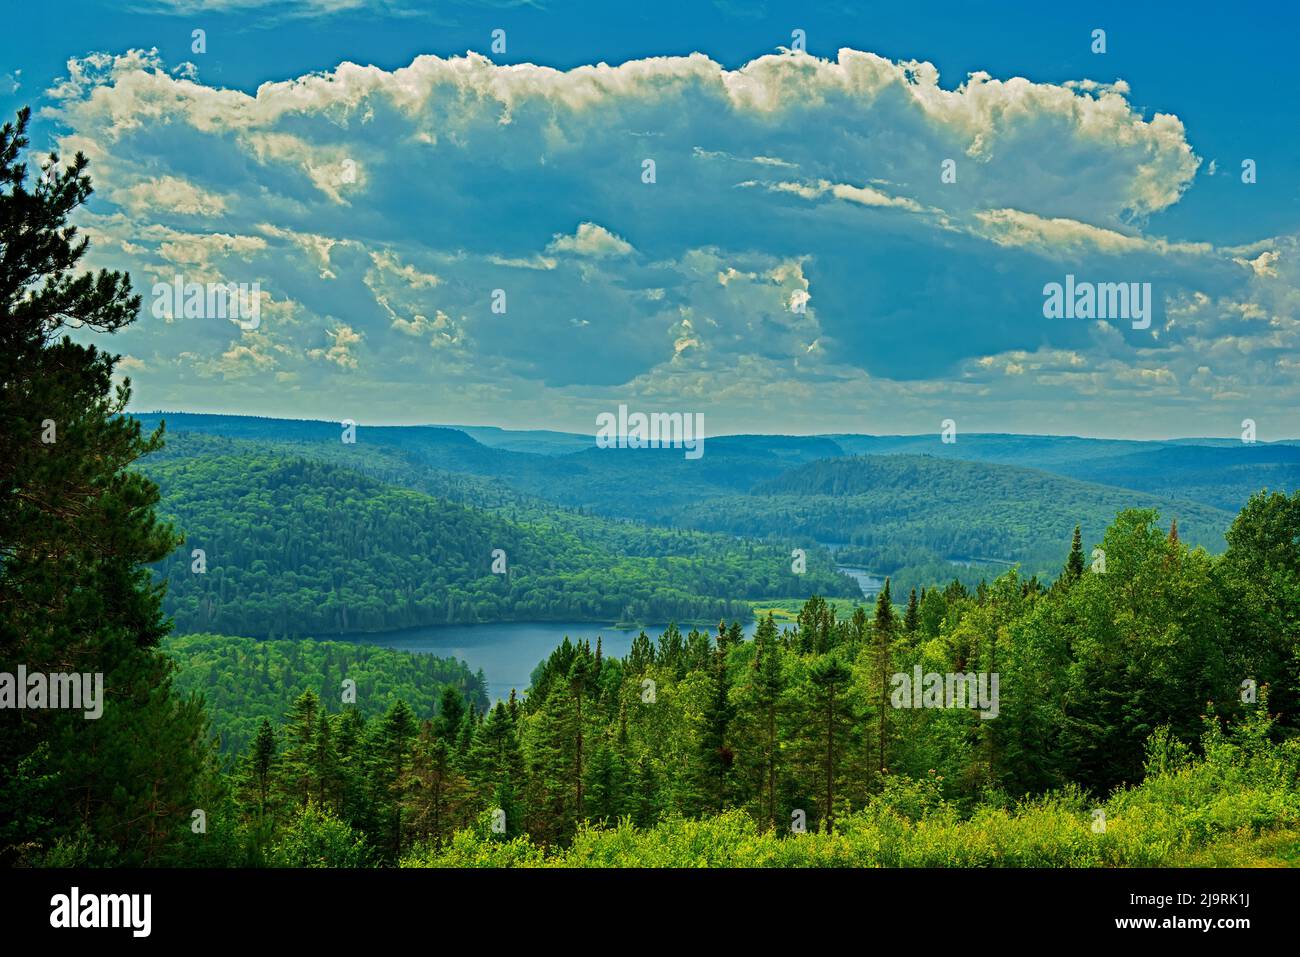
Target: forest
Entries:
(1123, 693)
(294, 546)
(922, 519)
(242, 679)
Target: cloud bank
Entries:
(798, 244)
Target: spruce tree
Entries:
(913, 616)
(301, 725)
(436, 792)
(714, 759)
(1074, 565)
(451, 711)
(770, 686)
(830, 677)
(264, 763)
(392, 744)
(883, 628)
(580, 686)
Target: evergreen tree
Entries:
(77, 532)
(392, 744)
(264, 763)
(436, 792)
(451, 712)
(883, 628)
(770, 685)
(829, 678)
(497, 764)
(715, 758)
(912, 619)
(580, 685)
(299, 756)
(1074, 564)
(641, 655)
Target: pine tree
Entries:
(641, 655)
(816, 625)
(672, 651)
(78, 529)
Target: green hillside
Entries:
(243, 679)
(911, 515)
(298, 547)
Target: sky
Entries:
(852, 218)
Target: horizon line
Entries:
(802, 435)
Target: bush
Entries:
(316, 838)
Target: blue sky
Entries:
(799, 263)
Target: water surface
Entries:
(509, 651)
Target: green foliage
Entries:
(1221, 807)
(244, 681)
(885, 511)
(314, 837)
(77, 532)
(295, 546)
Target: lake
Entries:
(509, 651)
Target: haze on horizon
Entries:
(581, 432)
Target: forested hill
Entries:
(1218, 472)
(295, 547)
(924, 483)
(960, 510)
(244, 680)
(908, 515)
(566, 467)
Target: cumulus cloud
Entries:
(798, 228)
(343, 341)
(591, 240)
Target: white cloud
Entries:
(343, 339)
(590, 240)
(170, 194)
(381, 209)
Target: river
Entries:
(869, 583)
